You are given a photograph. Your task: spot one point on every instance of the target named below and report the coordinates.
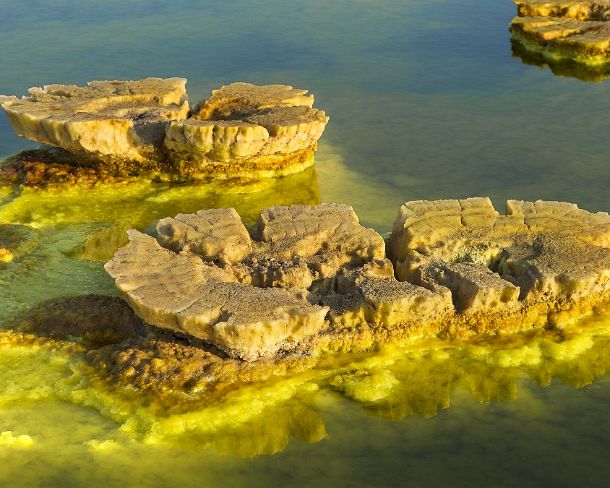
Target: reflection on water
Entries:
(140, 202)
(561, 67)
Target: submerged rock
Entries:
(16, 241)
(54, 168)
(312, 278)
(163, 388)
(564, 29)
(144, 127)
(97, 319)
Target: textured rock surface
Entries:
(574, 9)
(572, 29)
(540, 257)
(313, 278)
(248, 126)
(240, 99)
(49, 168)
(132, 127)
(107, 120)
(205, 275)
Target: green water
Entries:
(426, 101)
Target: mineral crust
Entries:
(205, 276)
(312, 278)
(564, 29)
(506, 271)
(574, 9)
(145, 127)
(114, 121)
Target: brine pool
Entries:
(426, 101)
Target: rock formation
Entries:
(205, 276)
(311, 278)
(518, 270)
(564, 29)
(145, 127)
(574, 9)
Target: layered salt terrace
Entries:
(145, 126)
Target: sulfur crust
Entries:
(267, 166)
(574, 9)
(155, 400)
(561, 52)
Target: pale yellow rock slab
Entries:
(182, 293)
(104, 119)
(574, 9)
(238, 99)
(247, 122)
(307, 278)
(144, 127)
(537, 252)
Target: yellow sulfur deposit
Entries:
(261, 416)
(575, 30)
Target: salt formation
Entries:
(564, 29)
(114, 121)
(145, 127)
(575, 9)
(507, 271)
(205, 276)
(311, 278)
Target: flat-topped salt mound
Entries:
(538, 256)
(574, 29)
(243, 128)
(135, 127)
(205, 275)
(311, 278)
(104, 119)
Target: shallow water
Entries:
(426, 101)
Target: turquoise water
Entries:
(426, 101)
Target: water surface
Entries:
(426, 101)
